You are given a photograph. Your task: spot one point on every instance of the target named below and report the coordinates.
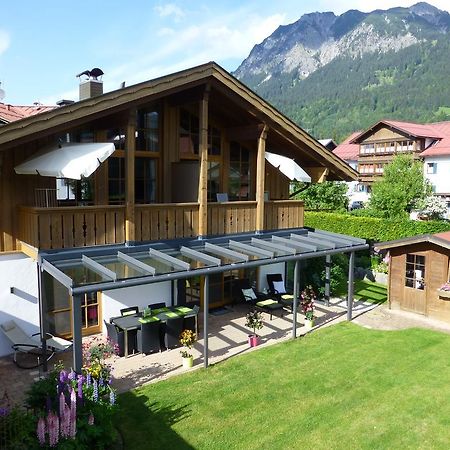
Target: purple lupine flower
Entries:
(72, 375)
(4, 412)
(53, 429)
(80, 386)
(112, 397)
(64, 421)
(73, 415)
(63, 376)
(40, 431)
(62, 403)
(100, 381)
(88, 378)
(95, 393)
(91, 419)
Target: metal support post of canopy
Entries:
(295, 299)
(205, 321)
(351, 267)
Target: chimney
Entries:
(92, 86)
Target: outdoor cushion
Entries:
(266, 302)
(279, 287)
(249, 294)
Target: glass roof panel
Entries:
(79, 273)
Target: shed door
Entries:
(415, 286)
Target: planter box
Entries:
(444, 294)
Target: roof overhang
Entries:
(431, 238)
(94, 269)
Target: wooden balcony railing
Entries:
(65, 227)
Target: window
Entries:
(367, 149)
(415, 271)
(65, 189)
(116, 170)
(147, 130)
(431, 168)
(239, 180)
(145, 180)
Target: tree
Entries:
(401, 187)
(326, 195)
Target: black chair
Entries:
(191, 320)
(277, 288)
(173, 329)
(262, 301)
(158, 305)
(116, 337)
(148, 339)
(129, 311)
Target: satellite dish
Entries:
(2, 93)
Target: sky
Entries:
(45, 44)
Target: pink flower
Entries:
(41, 430)
(53, 429)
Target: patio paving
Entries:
(227, 337)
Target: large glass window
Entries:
(415, 271)
(116, 170)
(147, 130)
(239, 180)
(145, 180)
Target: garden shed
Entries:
(419, 273)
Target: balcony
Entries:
(66, 227)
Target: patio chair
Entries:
(116, 337)
(257, 299)
(173, 329)
(129, 311)
(148, 338)
(25, 345)
(191, 320)
(158, 305)
(277, 288)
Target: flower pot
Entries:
(253, 340)
(188, 362)
(309, 324)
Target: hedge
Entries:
(371, 228)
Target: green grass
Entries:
(367, 291)
(341, 387)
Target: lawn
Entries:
(341, 387)
(367, 291)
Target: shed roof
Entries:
(11, 113)
(440, 239)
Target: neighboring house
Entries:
(418, 268)
(11, 113)
(370, 150)
(328, 143)
(146, 163)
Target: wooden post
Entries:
(203, 175)
(130, 149)
(260, 175)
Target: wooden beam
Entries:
(130, 149)
(203, 176)
(317, 174)
(244, 133)
(260, 175)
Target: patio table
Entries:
(133, 322)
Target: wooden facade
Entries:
(179, 140)
(420, 296)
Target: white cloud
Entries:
(170, 10)
(4, 41)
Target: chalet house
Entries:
(370, 150)
(142, 163)
(418, 269)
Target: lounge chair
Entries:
(257, 299)
(277, 288)
(23, 344)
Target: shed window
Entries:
(415, 271)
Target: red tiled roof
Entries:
(415, 129)
(442, 146)
(11, 113)
(347, 151)
(445, 235)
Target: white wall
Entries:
(440, 179)
(20, 272)
(142, 296)
(264, 270)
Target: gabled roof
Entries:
(347, 150)
(30, 128)
(442, 146)
(440, 239)
(11, 113)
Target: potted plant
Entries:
(254, 321)
(187, 339)
(307, 298)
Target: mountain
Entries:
(337, 74)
